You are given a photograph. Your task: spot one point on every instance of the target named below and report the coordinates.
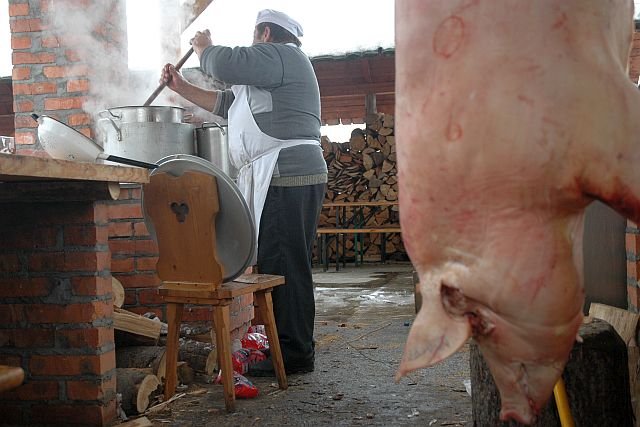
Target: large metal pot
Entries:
(212, 143)
(145, 133)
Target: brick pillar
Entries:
(632, 239)
(56, 313)
(55, 62)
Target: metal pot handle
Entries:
(105, 112)
(211, 125)
(115, 126)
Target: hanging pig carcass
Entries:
(511, 117)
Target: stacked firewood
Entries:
(140, 356)
(364, 169)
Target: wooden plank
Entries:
(359, 204)
(624, 322)
(138, 422)
(52, 191)
(124, 320)
(359, 230)
(27, 168)
(252, 283)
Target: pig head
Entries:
(511, 117)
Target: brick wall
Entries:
(56, 313)
(52, 67)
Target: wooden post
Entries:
(596, 379)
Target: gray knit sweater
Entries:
(284, 99)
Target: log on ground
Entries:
(137, 386)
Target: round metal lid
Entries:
(235, 229)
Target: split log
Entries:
(186, 374)
(201, 356)
(127, 339)
(118, 292)
(378, 158)
(128, 321)
(386, 150)
(137, 387)
(388, 121)
(387, 166)
(374, 143)
(385, 131)
(142, 357)
(357, 142)
(367, 161)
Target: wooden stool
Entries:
(183, 210)
(10, 377)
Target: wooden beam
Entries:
(370, 104)
(366, 70)
(55, 191)
(387, 87)
(197, 7)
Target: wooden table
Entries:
(39, 179)
(354, 225)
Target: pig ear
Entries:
(435, 334)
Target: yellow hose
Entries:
(562, 402)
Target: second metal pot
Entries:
(212, 143)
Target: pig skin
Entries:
(511, 117)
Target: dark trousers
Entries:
(287, 233)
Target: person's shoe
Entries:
(265, 368)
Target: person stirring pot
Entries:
(273, 112)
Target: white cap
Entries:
(279, 18)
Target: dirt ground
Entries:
(363, 317)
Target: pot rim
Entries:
(143, 106)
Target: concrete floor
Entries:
(363, 316)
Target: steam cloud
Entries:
(98, 37)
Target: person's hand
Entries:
(172, 78)
(201, 41)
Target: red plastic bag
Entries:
(242, 387)
(245, 357)
(240, 360)
(255, 341)
(257, 328)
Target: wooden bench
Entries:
(324, 231)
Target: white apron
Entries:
(254, 153)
